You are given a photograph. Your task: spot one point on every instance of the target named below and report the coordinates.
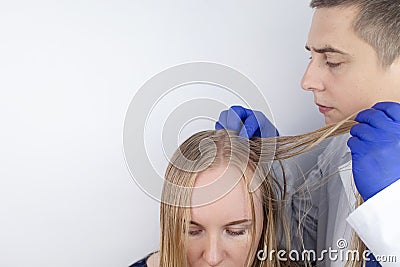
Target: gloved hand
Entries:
(375, 148)
(248, 123)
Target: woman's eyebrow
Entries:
(247, 221)
(196, 223)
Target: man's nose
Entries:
(312, 78)
(214, 251)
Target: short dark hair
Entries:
(377, 23)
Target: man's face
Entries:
(344, 73)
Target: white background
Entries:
(68, 71)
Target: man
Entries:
(354, 64)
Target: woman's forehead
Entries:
(219, 172)
(230, 206)
(221, 185)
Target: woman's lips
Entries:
(324, 109)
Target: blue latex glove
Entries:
(248, 123)
(375, 148)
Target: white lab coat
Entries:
(326, 206)
(377, 223)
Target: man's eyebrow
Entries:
(228, 224)
(327, 49)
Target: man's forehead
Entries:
(332, 30)
(347, 13)
(333, 20)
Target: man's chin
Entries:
(330, 120)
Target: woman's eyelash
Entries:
(235, 233)
(229, 232)
(194, 232)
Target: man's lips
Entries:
(324, 109)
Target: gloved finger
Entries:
(267, 129)
(378, 119)
(242, 111)
(236, 116)
(257, 133)
(357, 147)
(222, 119)
(218, 126)
(391, 109)
(365, 132)
(250, 126)
(375, 118)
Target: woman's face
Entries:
(220, 232)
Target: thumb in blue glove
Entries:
(375, 148)
(248, 123)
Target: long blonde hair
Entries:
(209, 148)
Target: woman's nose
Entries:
(214, 252)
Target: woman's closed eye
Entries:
(236, 232)
(195, 232)
(230, 232)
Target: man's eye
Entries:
(235, 232)
(194, 232)
(333, 65)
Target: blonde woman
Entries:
(222, 206)
(210, 215)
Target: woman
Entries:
(221, 204)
